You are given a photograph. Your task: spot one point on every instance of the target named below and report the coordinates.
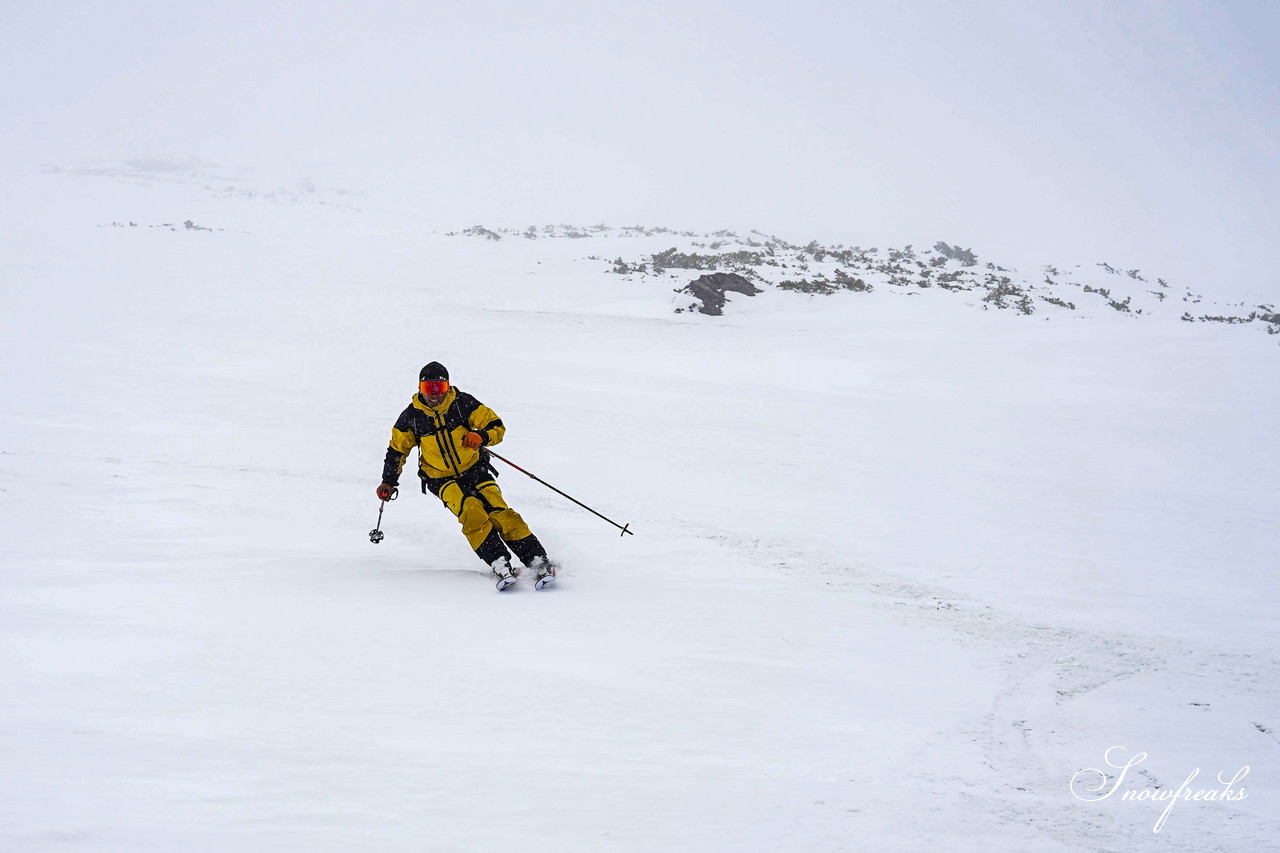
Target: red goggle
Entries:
(434, 388)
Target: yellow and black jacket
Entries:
(437, 433)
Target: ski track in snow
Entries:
(900, 569)
(1045, 671)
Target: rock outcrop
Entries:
(711, 288)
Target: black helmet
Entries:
(433, 372)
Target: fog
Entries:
(1142, 134)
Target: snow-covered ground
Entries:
(902, 568)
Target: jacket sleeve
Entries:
(486, 422)
(403, 439)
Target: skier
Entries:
(451, 428)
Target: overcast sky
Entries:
(1141, 133)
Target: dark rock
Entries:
(711, 288)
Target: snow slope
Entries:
(902, 569)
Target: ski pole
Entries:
(376, 535)
(623, 527)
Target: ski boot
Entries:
(503, 572)
(545, 572)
